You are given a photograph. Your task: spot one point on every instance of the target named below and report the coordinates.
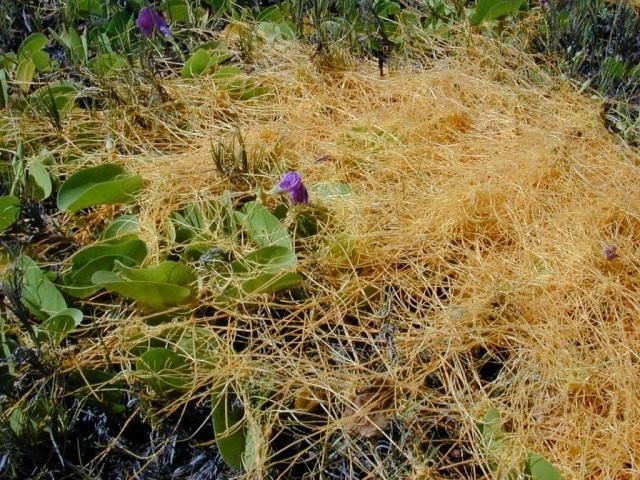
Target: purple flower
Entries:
(292, 182)
(610, 252)
(149, 20)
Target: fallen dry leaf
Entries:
(367, 416)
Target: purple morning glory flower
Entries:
(610, 252)
(292, 182)
(149, 20)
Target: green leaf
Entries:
(46, 157)
(492, 433)
(164, 370)
(32, 44)
(271, 259)
(265, 283)
(286, 31)
(614, 68)
(538, 468)
(40, 179)
(487, 10)
(270, 283)
(25, 72)
(228, 426)
(263, 227)
(276, 31)
(39, 294)
(72, 40)
(98, 387)
(388, 9)
(9, 211)
(123, 225)
(177, 10)
(329, 190)
(158, 288)
(249, 92)
(62, 94)
(219, 7)
(58, 326)
(92, 7)
(196, 64)
(4, 89)
(41, 60)
(229, 71)
(104, 184)
(270, 14)
(188, 223)
(108, 64)
(8, 61)
(216, 58)
(128, 250)
(119, 25)
(18, 422)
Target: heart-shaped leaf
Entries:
(164, 370)
(9, 211)
(104, 184)
(158, 288)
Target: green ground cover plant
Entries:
(318, 240)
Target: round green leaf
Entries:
(164, 370)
